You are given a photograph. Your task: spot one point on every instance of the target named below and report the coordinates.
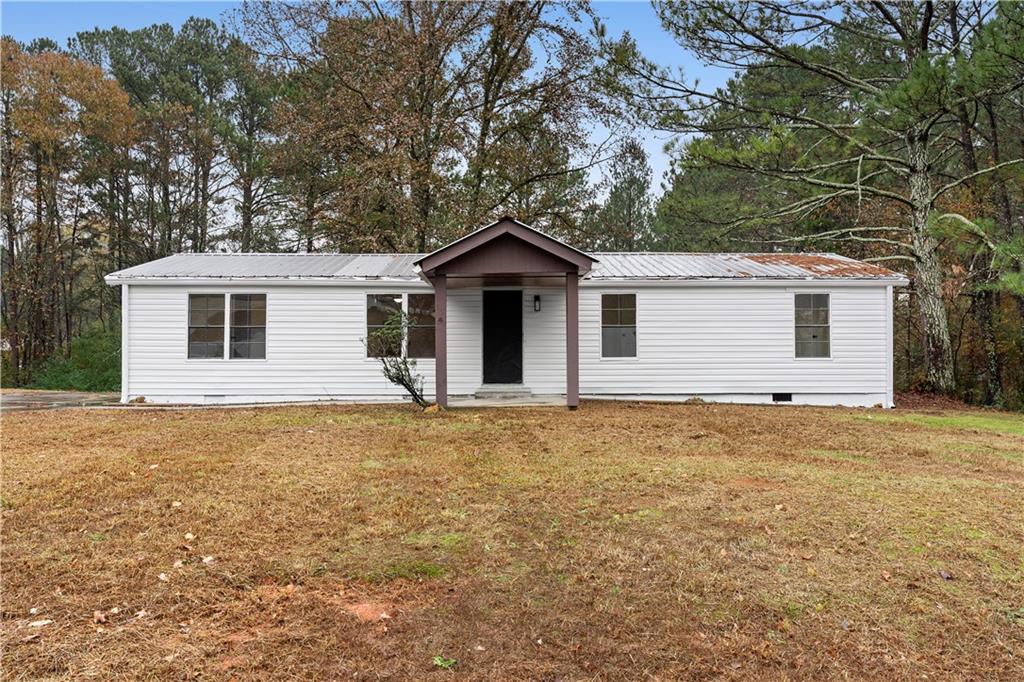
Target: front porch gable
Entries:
(511, 252)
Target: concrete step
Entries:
(502, 392)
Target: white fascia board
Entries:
(586, 282)
(275, 281)
(618, 283)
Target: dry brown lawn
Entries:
(621, 541)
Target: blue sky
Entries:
(62, 20)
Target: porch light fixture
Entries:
(536, 303)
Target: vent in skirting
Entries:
(782, 397)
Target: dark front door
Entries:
(503, 337)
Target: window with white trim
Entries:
(421, 326)
(205, 326)
(618, 325)
(244, 330)
(812, 326)
(379, 309)
(419, 312)
(249, 326)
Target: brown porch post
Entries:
(572, 340)
(441, 340)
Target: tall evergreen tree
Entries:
(878, 89)
(625, 220)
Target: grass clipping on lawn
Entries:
(618, 541)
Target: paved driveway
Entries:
(15, 399)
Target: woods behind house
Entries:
(890, 132)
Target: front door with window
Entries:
(503, 337)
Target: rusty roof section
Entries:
(733, 266)
(825, 265)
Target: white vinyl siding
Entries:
(544, 341)
(719, 342)
(736, 343)
(314, 349)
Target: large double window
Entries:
(618, 325)
(812, 326)
(244, 330)
(418, 310)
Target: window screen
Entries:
(812, 326)
(379, 309)
(206, 325)
(421, 326)
(249, 326)
(618, 325)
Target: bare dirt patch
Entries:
(610, 543)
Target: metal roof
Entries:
(611, 266)
(736, 266)
(275, 265)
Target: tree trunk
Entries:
(308, 218)
(983, 303)
(1006, 213)
(10, 301)
(928, 274)
(165, 208)
(246, 211)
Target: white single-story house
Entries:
(510, 310)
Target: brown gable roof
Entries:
(511, 234)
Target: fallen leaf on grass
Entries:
(163, 577)
(98, 617)
(946, 575)
(39, 623)
(231, 662)
(368, 611)
(207, 559)
(886, 575)
(190, 537)
(240, 637)
(176, 503)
